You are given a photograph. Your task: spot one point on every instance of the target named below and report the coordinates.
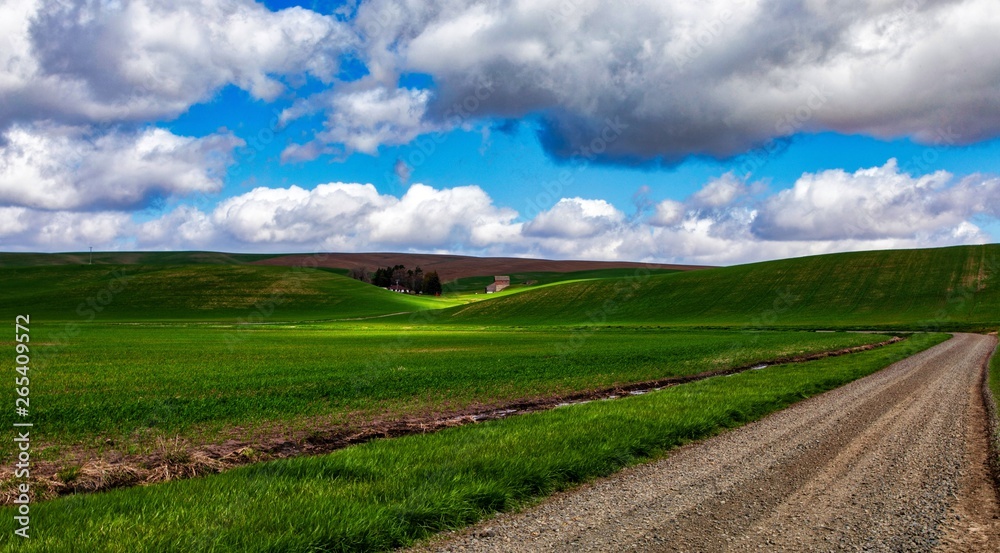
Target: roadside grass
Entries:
(994, 378)
(993, 386)
(132, 384)
(953, 288)
(388, 493)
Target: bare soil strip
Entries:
(451, 267)
(184, 461)
(895, 461)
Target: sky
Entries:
(709, 132)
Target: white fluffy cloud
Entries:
(58, 167)
(575, 219)
(361, 120)
(183, 228)
(727, 221)
(713, 77)
(720, 192)
(356, 217)
(23, 228)
(81, 80)
(140, 60)
(875, 203)
(667, 213)
(295, 215)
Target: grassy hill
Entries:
(455, 267)
(930, 288)
(523, 280)
(130, 258)
(206, 292)
(186, 285)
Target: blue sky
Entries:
(691, 132)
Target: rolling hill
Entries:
(218, 286)
(199, 292)
(928, 288)
(129, 258)
(449, 267)
(453, 267)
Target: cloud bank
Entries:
(714, 78)
(726, 221)
(674, 79)
(82, 81)
(644, 82)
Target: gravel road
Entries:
(895, 461)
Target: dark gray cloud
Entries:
(712, 78)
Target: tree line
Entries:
(411, 280)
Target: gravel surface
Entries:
(891, 462)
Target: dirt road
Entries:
(892, 462)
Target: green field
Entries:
(389, 492)
(135, 383)
(199, 348)
(950, 288)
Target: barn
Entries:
(499, 283)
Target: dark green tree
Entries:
(417, 280)
(432, 283)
